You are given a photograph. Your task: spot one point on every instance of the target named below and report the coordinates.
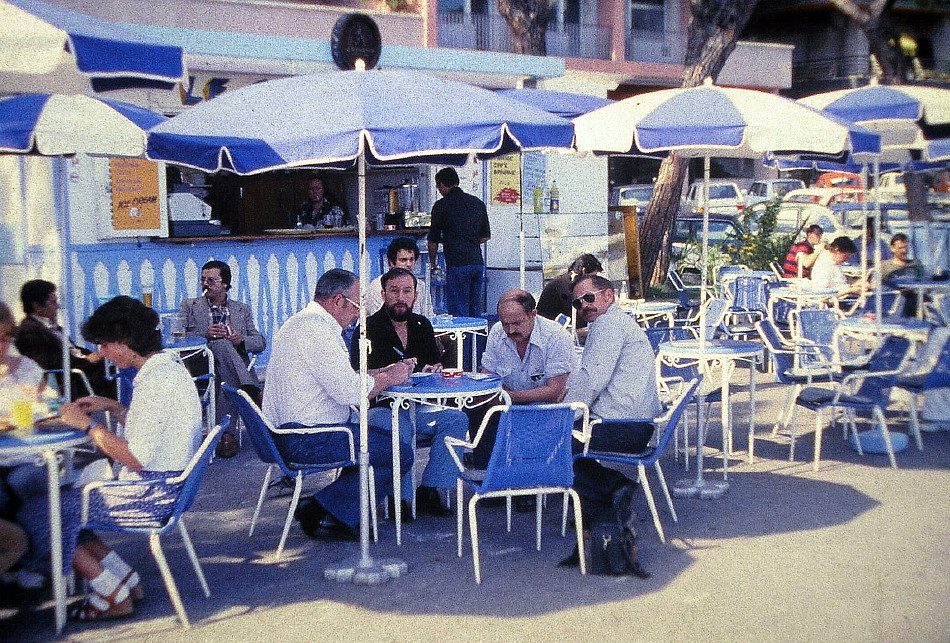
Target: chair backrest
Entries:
(532, 448)
(939, 375)
(817, 326)
(195, 471)
(713, 314)
(676, 412)
(749, 294)
(659, 334)
(258, 428)
(887, 358)
(781, 356)
(676, 280)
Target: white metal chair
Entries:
(531, 457)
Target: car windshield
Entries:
(637, 194)
(722, 192)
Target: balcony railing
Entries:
(491, 33)
(656, 46)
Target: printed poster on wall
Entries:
(138, 197)
(505, 180)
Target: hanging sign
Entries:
(505, 176)
(136, 197)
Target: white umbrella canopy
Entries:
(341, 119)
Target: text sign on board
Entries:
(506, 180)
(136, 204)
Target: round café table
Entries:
(723, 354)
(47, 443)
(922, 287)
(646, 312)
(801, 295)
(433, 389)
(458, 328)
(867, 327)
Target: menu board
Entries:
(138, 198)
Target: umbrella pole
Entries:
(521, 244)
(366, 571)
(878, 302)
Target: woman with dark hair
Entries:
(556, 297)
(162, 432)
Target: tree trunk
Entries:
(714, 28)
(875, 22)
(527, 22)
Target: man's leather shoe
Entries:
(336, 531)
(525, 504)
(429, 502)
(311, 515)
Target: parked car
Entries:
(839, 180)
(825, 196)
(639, 195)
(768, 189)
(725, 197)
(686, 252)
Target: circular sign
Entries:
(355, 35)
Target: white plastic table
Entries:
(46, 444)
(465, 392)
(458, 327)
(801, 296)
(865, 327)
(723, 354)
(647, 311)
(922, 286)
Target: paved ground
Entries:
(855, 552)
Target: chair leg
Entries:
(458, 515)
(819, 426)
(473, 529)
(785, 418)
(666, 490)
(565, 499)
(298, 484)
(508, 513)
(886, 434)
(642, 475)
(189, 547)
(155, 545)
(579, 529)
(915, 421)
(260, 498)
(537, 521)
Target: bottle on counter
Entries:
(554, 198)
(538, 199)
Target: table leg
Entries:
(700, 488)
(56, 539)
(727, 367)
(753, 363)
(459, 349)
(397, 486)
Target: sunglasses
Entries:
(589, 297)
(352, 303)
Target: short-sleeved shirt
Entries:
(550, 353)
(459, 220)
(790, 266)
(826, 274)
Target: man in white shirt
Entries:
(402, 252)
(826, 273)
(310, 382)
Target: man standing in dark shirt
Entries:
(397, 334)
(460, 224)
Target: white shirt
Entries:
(309, 377)
(550, 353)
(163, 425)
(616, 378)
(826, 274)
(423, 305)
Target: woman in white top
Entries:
(826, 273)
(162, 432)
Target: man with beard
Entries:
(617, 380)
(396, 334)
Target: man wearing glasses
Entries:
(229, 328)
(310, 382)
(617, 380)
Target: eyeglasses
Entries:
(352, 303)
(210, 280)
(589, 297)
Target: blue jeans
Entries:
(342, 496)
(432, 426)
(463, 290)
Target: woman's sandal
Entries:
(89, 610)
(131, 581)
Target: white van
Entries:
(725, 197)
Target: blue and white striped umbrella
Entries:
(717, 121)
(37, 35)
(58, 124)
(563, 104)
(908, 117)
(331, 119)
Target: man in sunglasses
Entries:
(617, 380)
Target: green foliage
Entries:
(760, 244)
